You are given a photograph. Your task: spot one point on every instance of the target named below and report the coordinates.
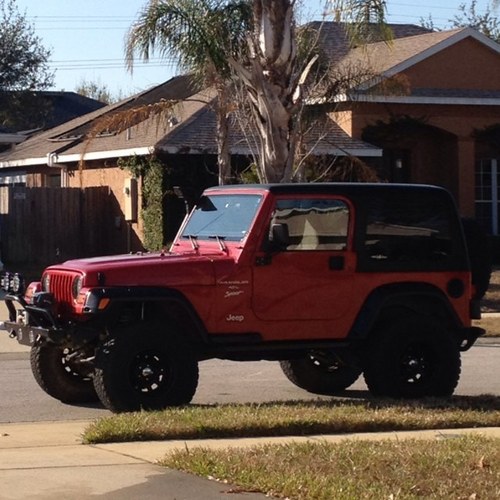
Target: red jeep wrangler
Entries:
(332, 280)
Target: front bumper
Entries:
(32, 324)
(28, 324)
(30, 335)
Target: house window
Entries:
(487, 194)
(53, 180)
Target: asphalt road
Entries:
(21, 400)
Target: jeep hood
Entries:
(145, 269)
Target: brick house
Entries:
(435, 112)
(431, 115)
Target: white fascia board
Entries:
(54, 159)
(449, 101)
(28, 162)
(102, 155)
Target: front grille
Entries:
(60, 286)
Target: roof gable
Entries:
(409, 55)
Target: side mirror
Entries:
(279, 237)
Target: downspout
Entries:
(53, 162)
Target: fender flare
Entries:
(142, 294)
(411, 297)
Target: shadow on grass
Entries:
(340, 415)
(486, 402)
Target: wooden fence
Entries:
(41, 226)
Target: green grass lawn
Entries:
(460, 468)
(337, 416)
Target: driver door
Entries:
(311, 278)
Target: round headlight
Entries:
(77, 286)
(46, 283)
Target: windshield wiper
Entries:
(193, 240)
(220, 241)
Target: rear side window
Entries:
(313, 224)
(409, 229)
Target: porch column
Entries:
(465, 164)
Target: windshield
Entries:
(226, 217)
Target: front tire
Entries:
(58, 375)
(412, 359)
(139, 368)
(320, 373)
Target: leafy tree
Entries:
(96, 90)
(486, 23)
(468, 16)
(200, 36)
(23, 59)
(23, 67)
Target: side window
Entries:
(407, 231)
(314, 224)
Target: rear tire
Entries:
(412, 359)
(58, 375)
(140, 368)
(320, 373)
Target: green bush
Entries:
(152, 172)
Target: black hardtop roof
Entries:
(331, 188)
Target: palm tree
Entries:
(200, 36)
(254, 40)
(274, 78)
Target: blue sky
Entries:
(87, 38)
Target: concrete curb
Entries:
(67, 435)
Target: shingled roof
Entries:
(197, 136)
(67, 142)
(190, 126)
(334, 37)
(60, 107)
(388, 59)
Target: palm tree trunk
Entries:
(223, 152)
(271, 86)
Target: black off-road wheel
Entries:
(140, 368)
(320, 373)
(57, 372)
(412, 358)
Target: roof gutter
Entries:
(318, 149)
(398, 99)
(54, 159)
